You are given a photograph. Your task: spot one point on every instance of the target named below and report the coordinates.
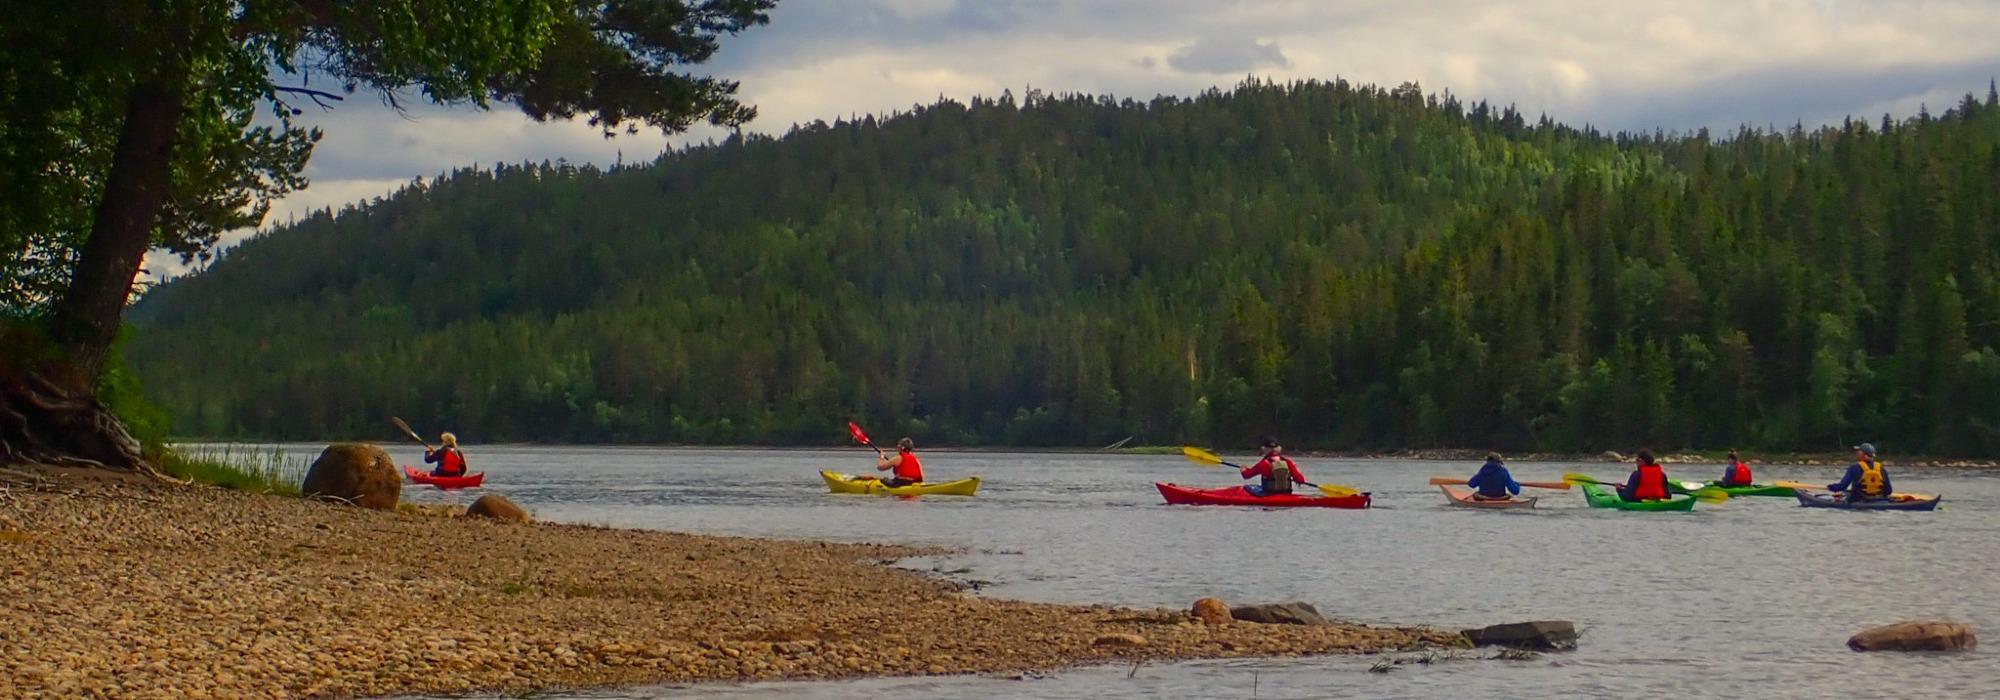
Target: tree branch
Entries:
(318, 96)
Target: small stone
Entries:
(1211, 611)
(497, 507)
(1294, 613)
(1921, 635)
(1118, 639)
(1541, 635)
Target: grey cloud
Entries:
(1220, 55)
(1780, 96)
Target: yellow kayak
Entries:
(844, 483)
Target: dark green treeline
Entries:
(1345, 266)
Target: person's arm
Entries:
(1853, 473)
(432, 456)
(1513, 487)
(1298, 477)
(1632, 481)
(1474, 482)
(885, 463)
(1262, 467)
(1887, 488)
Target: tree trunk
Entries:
(43, 422)
(135, 191)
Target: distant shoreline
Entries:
(1809, 459)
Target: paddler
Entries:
(908, 470)
(1275, 472)
(1493, 482)
(449, 461)
(1866, 480)
(1737, 473)
(1648, 482)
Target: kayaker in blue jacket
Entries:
(1865, 480)
(1493, 482)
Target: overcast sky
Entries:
(1621, 65)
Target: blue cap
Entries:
(1867, 448)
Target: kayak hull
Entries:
(1236, 496)
(1828, 500)
(1463, 499)
(1741, 491)
(845, 483)
(418, 476)
(1607, 497)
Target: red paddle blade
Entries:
(859, 436)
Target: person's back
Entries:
(1648, 482)
(449, 461)
(1493, 482)
(907, 469)
(1866, 479)
(1275, 472)
(1737, 473)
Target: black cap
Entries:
(1269, 441)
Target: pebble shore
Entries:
(127, 589)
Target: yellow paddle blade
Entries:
(1799, 485)
(1709, 494)
(1337, 491)
(1201, 456)
(1575, 478)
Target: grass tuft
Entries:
(239, 467)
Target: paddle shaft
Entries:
(412, 433)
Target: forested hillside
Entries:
(1341, 265)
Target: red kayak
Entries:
(1236, 496)
(444, 482)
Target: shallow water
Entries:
(1753, 598)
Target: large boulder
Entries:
(497, 507)
(1541, 635)
(1294, 613)
(1211, 611)
(357, 473)
(1920, 635)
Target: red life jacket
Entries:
(451, 463)
(1652, 484)
(909, 469)
(1738, 475)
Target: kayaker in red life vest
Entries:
(908, 469)
(1647, 483)
(1737, 474)
(449, 461)
(1865, 480)
(1275, 472)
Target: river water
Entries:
(1752, 598)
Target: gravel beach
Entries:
(113, 587)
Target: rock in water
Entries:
(1294, 613)
(1541, 635)
(1211, 611)
(497, 507)
(1920, 635)
(357, 473)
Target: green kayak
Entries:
(1606, 497)
(1736, 491)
